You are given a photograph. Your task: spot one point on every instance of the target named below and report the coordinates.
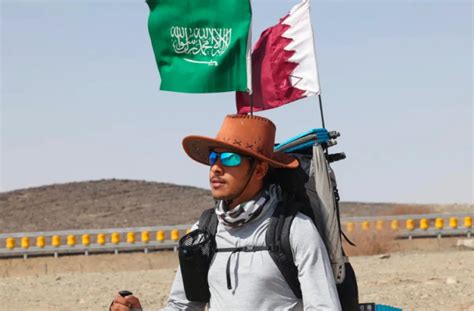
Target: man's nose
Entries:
(217, 167)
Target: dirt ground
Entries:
(440, 278)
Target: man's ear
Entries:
(261, 170)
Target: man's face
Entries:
(227, 181)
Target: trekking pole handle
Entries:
(125, 293)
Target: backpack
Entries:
(312, 190)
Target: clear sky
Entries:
(80, 97)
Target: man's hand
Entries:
(127, 303)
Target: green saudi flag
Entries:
(201, 46)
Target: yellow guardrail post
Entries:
(350, 227)
(379, 225)
(145, 236)
(25, 242)
(130, 237)
(468, 222)
(175, 235)
(424, 225)
(10, 243)
(86, 239)
(395, 224)
(40, 241)
(101, 238)
(145, 239)
(410, 226)
(365, 225)
(160, 236)
(439, 225)
(56, 240)
(115, 239)
(71, 240)
(468, 225)
(453, 222)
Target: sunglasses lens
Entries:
(212, 158)
(230, 159)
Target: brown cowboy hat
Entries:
(248, 135)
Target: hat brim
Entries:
(198, 148)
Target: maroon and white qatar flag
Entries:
(283, 63)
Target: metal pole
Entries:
(326, 152)
(251, 103)
(321, 110)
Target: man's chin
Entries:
(220, 196)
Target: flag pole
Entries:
(322, 120)
(251, 103)
(320, 109)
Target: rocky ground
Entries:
(413, 280)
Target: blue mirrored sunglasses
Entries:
(227, 158)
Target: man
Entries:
(239, 159)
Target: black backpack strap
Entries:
(208, 221)
(278, 240)
(196, 287)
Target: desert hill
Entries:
(123, 203)
(100, 204)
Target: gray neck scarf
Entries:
(242, 213)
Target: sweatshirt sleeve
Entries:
(177, 299)
(314, 268)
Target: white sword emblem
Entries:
(209, 63)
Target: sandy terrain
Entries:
(412, 280)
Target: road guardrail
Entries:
(24, 244)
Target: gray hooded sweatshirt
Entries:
(257, 284)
